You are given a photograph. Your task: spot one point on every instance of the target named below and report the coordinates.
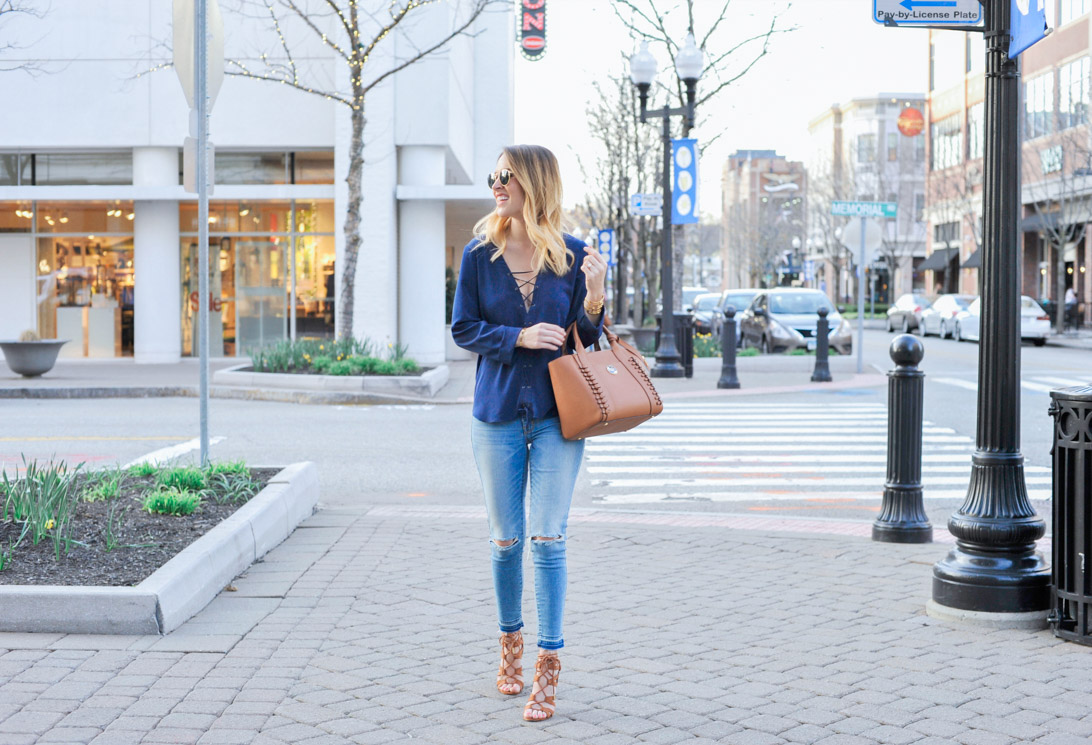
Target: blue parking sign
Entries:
(684, 196)
(606, 244)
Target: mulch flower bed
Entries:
(144, 540)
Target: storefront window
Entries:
(250, 274)
(62, 169)
(16, 217)
(316, 287)
(313, 167)
(315, 216)
(238, 217)
(85, 217)
(221, 297)
(85, 293)
(14, 169)
(251, 168)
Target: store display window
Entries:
(16, 217)
(85, 279)
(269, 261)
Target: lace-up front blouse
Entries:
(489, 313)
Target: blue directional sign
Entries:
(684, 197)
(1028, 24)
(606, 245)
(928, 12)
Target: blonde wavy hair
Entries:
(536, 169)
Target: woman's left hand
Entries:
(595, 273)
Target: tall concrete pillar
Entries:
(421, 259)
(157, 282)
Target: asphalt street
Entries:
(802, 443)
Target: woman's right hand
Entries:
(542, 336)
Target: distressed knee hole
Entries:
(507, 543)
(546, 538)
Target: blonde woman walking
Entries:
(522, 283)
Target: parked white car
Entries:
(1034, 322)
(939, 318)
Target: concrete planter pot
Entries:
(32, 358)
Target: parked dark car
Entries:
(707, 318)
(740, 299)
(785, 318)
(940, 317)
(905, 314)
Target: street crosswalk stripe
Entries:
(793, 438)
(816, 469)
(795, 457)
(609, 444)
(760, 453)
(710, 429)
(810, 496)
(927, 480)
(1031, 385)
(1063, 382)
(970, 385)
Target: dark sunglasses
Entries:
(504, 178)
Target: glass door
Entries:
(261, 300)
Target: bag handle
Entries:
(612, 338)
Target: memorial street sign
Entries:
(864, 209)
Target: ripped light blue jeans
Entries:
(514, 458)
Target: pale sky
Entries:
(837, 53)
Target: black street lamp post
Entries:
(688, 65)
(994, 567)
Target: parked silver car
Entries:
(740, 299)
(707, 318)
(905, 314)
(785, 318)
(940, 317)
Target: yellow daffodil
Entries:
(49, 524)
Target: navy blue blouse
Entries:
(488, 315)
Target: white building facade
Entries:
(858, 152)
(98, 239)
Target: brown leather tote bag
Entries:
(604, 391)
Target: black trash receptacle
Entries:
(684, 339)
(1071, 593)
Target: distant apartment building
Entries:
(764, 200)
(1056, 170)
(871, 149)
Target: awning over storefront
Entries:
(973, 261)
(938, 260)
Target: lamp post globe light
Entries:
(688, 66)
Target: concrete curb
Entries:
(283, 395)
(427, 384)
(182, 586)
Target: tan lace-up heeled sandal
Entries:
(511, 665)
(544, 688)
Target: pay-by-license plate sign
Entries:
(927, 12)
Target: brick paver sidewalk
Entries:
(378, 627)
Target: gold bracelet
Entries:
(593, 308)
(519, 338)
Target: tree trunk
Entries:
(352, 226)
(1059, 283)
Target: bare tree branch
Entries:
(9, 11)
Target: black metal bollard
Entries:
(902, 514)
(728, 378)
(821, 374)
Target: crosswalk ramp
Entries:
(741, 452)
